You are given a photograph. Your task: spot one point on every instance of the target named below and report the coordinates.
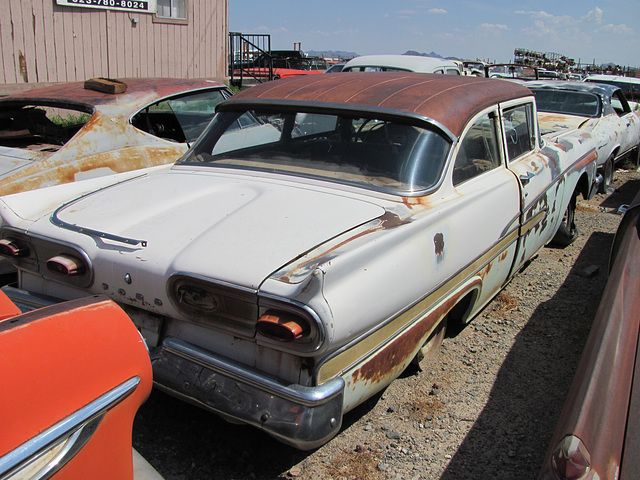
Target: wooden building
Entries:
(48, 41)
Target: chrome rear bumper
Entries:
(305, 417)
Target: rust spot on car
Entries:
(391, 220)
(485, 271)
(438, 242)
(397, 354)
(387, 221)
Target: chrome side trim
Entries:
(89, 231)
(76, 430)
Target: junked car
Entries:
(401, 63)
(514, 71)
(67, 132)
(597, 434)
(282, 281)
(629, 85)
(597, 108)
(73, 376)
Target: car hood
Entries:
(231, 227)
(13, 159)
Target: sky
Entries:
(606, 31)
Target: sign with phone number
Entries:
(144, 6)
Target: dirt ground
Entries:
(485, 408)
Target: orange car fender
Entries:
(56, 360)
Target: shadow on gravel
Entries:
(622, 195)
(526, 399)
(530, 388)
(185, 442)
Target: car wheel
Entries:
(607, 176)
(432, 346)
(567, 231)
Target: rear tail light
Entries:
(12, 249)
(65, 265)
(571, 459)
(282, 326)
(197, 298)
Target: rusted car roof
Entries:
(140, 91)
(448, 99)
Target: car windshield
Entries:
(376, 153)
(583, 104)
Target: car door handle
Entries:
(524, 179)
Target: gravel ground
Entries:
(484, 408)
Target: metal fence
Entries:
(249, 58)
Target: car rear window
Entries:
(566, 102)
(365, 150)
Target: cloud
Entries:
(492, 26)
(594, 16)
(437, 10)
(492, 30)
(621, 29)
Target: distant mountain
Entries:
(431, 54)
(349, 55)
(418, 54)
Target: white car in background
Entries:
(599, 109)
(402, 63)
(629, 85)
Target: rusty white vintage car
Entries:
(78, 130)
(597, 108)
(284, 272)
(70, 391)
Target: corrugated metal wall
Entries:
(41, 42)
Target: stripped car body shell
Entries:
(107, 143)
(374, 272)
(602, 410)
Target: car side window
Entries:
(519, 131)
(619, 103)
(478, 152)
(179, 119)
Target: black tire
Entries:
(567, 231)
(607, 176)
